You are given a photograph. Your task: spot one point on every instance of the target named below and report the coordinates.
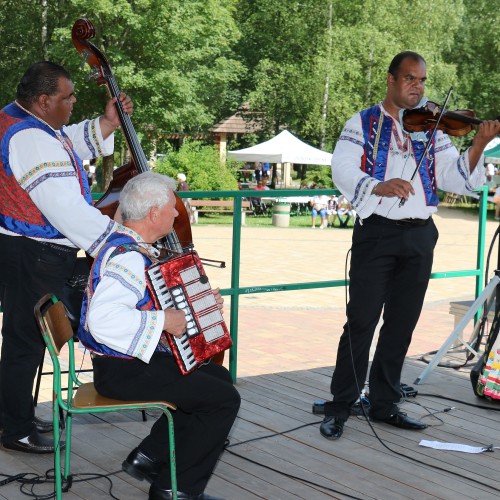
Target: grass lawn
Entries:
(296, 221)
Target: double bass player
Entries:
(46, 215)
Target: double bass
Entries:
(181, 237)
(179, 240)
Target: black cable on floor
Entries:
(291, 476)
(29, 481)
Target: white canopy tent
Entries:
(284, 148)
(492, 151)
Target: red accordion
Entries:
(182, 283)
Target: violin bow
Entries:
(402, 201)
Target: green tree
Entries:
(201, 165)
(173, 57)
(329, 58)
(476, 54)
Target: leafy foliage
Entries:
(201, 165)
(307, 65)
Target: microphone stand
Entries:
(402, 201)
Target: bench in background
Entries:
(219, 206)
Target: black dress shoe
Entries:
(403, 421)
(43, 426)
(34, 443)
(141, 467)
(156, 493)
(332, 427)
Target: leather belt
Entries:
(378, 219)
(59, 248)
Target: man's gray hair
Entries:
(143, 192)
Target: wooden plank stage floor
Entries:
(301, 463)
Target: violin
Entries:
(455, 123)
(181, 237)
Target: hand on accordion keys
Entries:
(175, 320)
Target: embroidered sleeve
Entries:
(347, 174)
(113, 317)
(87, 139)
(453, 169)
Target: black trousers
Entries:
(207, 405)
(28, 270)
(390, 270)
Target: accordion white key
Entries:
(182, 283)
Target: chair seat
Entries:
(87, 397)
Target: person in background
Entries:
(345, 211)
(182, 185)
(132, 359)
(257, 171)
(331, 210)
(46, 216)
(319, 205)
(496, 200)
(393, 238)
(261, 186)
(490, 170)
(266, 167)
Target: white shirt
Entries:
(43, 168)
(451, 169)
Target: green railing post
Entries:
(235, 286)
(481, 236)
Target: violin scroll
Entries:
(83, 29)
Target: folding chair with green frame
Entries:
(82, 398)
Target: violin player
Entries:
(46, 215)
(393, 243)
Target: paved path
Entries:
(300, 329)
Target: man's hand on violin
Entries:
(394, 187)
(487, 131)
(110, 120)
(175, 322)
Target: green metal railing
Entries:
(236, 290)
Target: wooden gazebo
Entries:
(243, 121)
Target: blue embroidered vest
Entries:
(18, 213)
(377, 132)
(122, 243)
